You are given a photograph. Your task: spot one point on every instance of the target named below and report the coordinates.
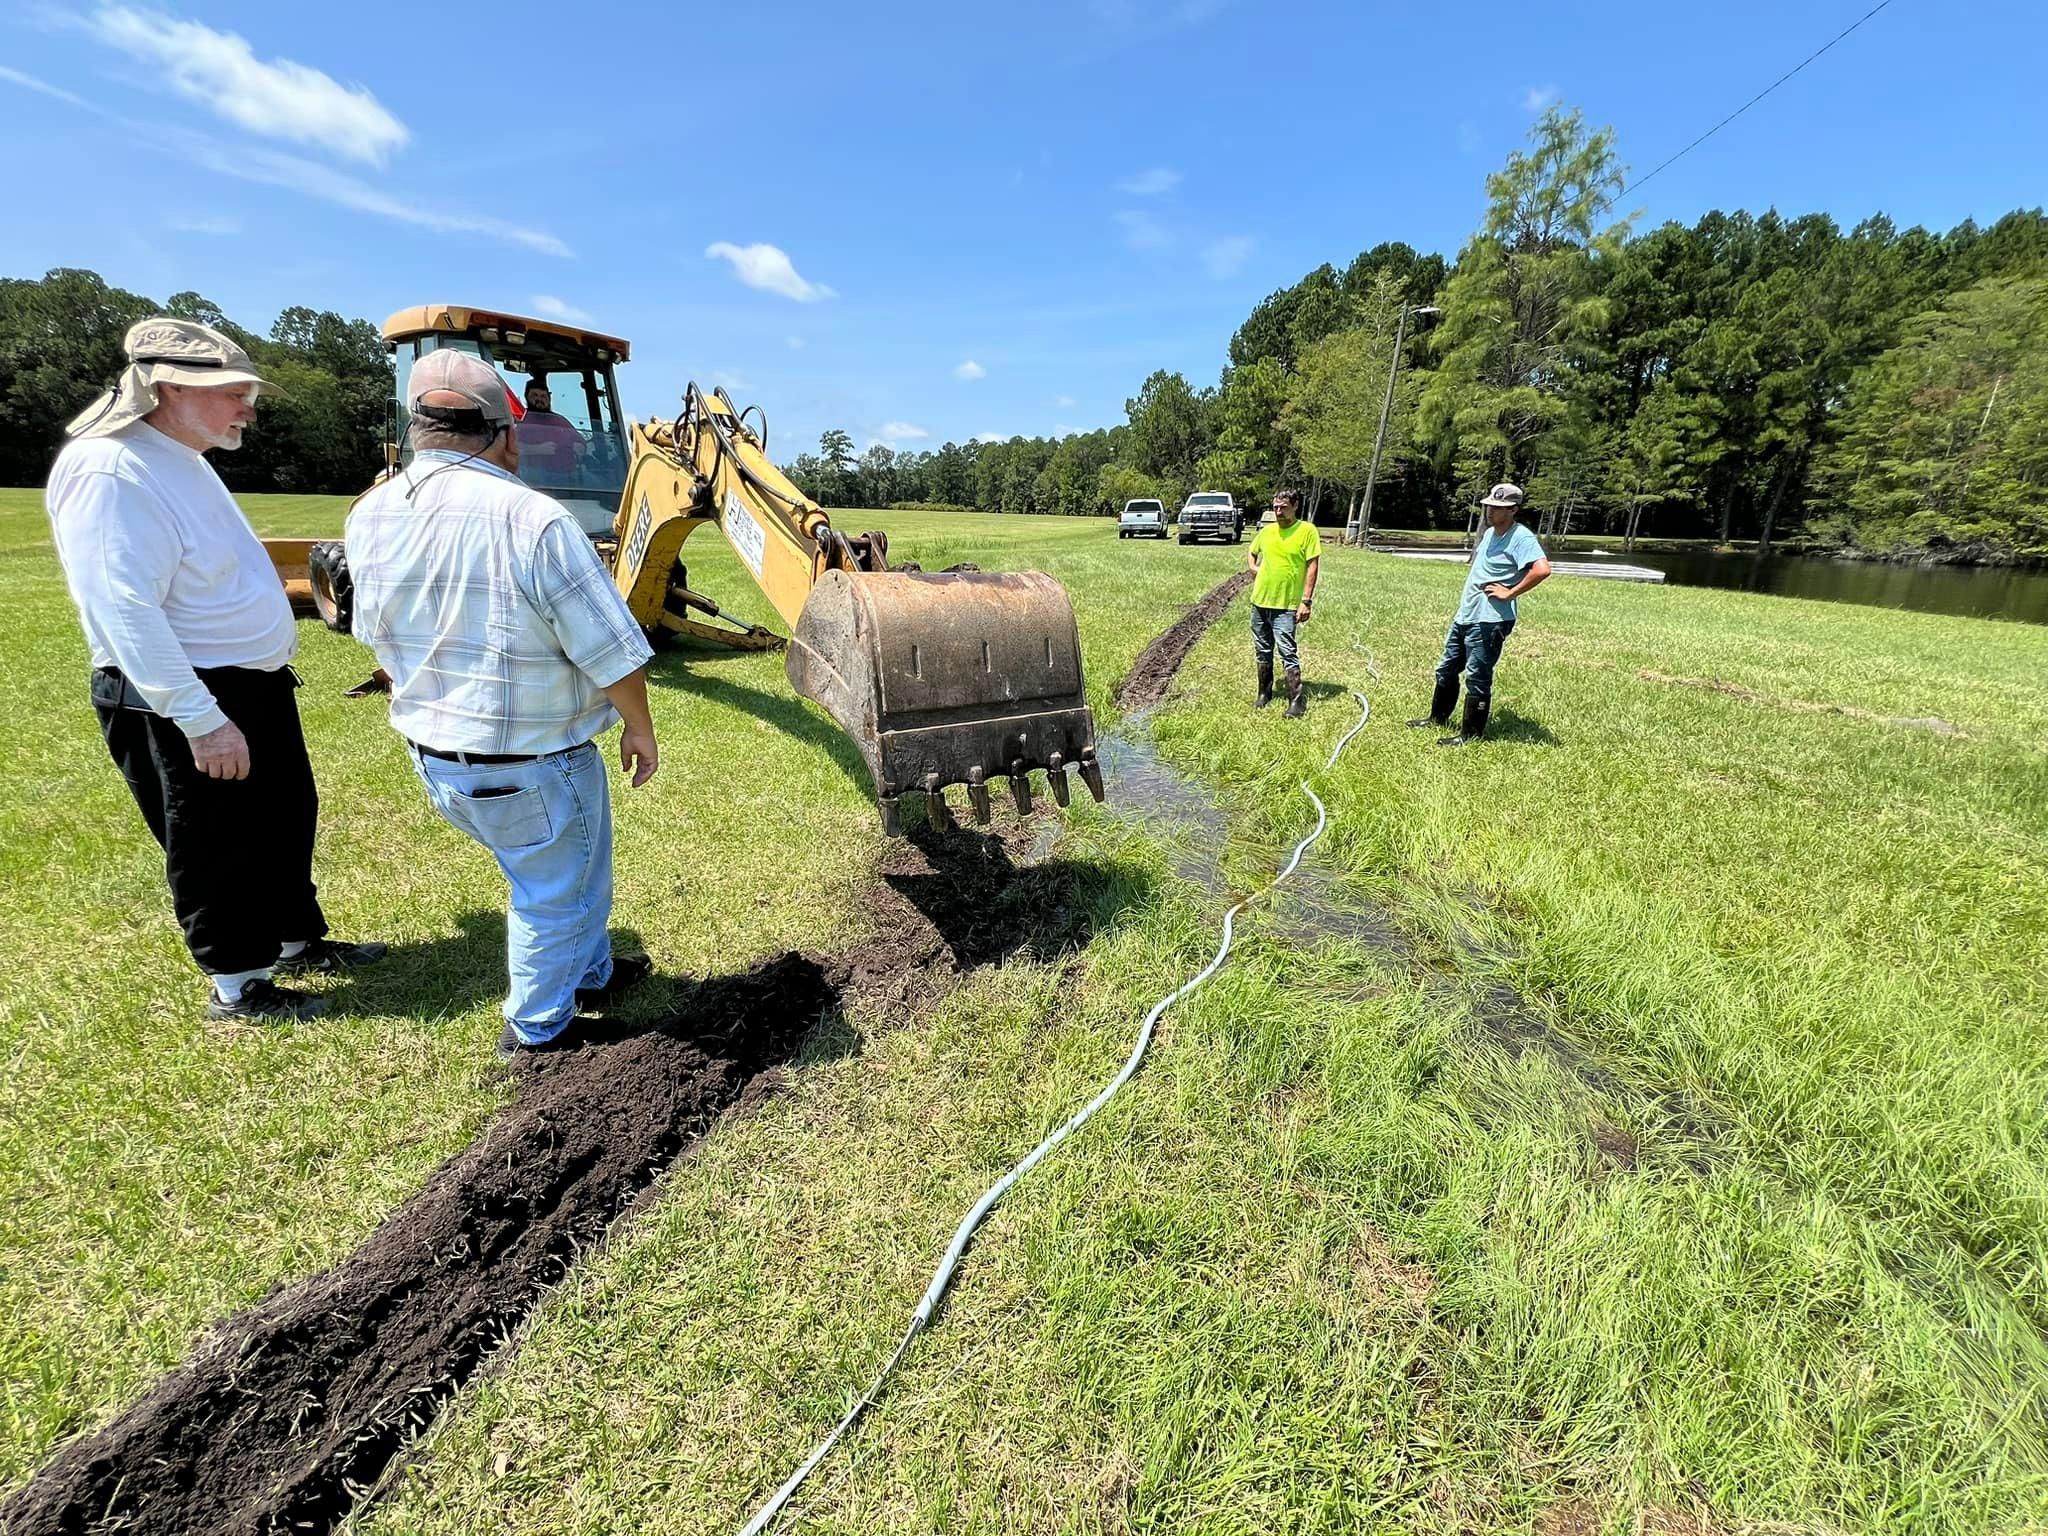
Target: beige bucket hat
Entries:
(164, 350)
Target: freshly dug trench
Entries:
(290, 1413)
(1152, 674)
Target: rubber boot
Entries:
(1472, 728)
(1265, 685)
(1440, 706)
(1297, 701)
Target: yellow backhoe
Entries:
(941, 678)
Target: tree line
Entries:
(60, 347)
(1746, 377)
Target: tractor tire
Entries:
(334, 593)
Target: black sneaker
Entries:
(264, 1002)
(577, 1031)
(628, 971)
(330, 955)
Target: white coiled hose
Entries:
(943, 1276)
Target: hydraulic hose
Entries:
(943, 1276)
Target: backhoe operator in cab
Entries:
(548, 441)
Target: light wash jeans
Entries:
(549, 824)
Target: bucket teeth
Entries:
(1057, 778)
(977, 793)
(892, 816)
(1020, 786)
(936, 811)
(1091, 775)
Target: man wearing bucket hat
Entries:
(509, 649)
(191, 638)
(1507, 563)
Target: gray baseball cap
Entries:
(481, 386)
(1504, 495)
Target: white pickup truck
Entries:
(1209, 515)
(1142, 519)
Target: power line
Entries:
(1759, 96)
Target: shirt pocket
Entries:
(497, 819)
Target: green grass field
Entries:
(1741, 1224)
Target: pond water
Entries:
(1972, 591)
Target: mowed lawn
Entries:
(1677, 1166)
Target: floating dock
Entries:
(1557, 567)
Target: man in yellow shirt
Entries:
(1285, 554)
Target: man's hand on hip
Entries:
(222, 753)
(638, 755)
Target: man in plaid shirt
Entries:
(509, 649)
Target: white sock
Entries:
(227, 985)
(293, 950)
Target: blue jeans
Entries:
(1274, 627)
(549, 825)
(1476, 649)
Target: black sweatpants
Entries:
(238, 853)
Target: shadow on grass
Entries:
(987, 908)
(793, 716)
(449, 975)
(1506, 725)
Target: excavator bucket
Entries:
(949, 678)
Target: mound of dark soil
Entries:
(1153, 672)
(288, 1415)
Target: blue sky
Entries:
(921, 223)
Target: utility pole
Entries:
(1361, 527)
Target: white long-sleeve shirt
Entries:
(167, 573)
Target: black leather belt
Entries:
(479, 759)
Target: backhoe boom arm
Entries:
(940, 678)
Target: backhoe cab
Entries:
(940, 678)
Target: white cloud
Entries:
(278, 98)
(729, 381)
(269, 168)
(970, 369)
(1061, 429)
(1153, 183)
(216, 225)
(1142, 232)
(1539, 97)
(796, 343)
(44, 88)
(894, 432)
(557, 309)
(1064, 401)
(1226, 257)
(1468, 139)
(273, 168)
(990, 437)
(768, 268)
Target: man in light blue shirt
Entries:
(1507, 562)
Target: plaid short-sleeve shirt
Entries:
(488, 606)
